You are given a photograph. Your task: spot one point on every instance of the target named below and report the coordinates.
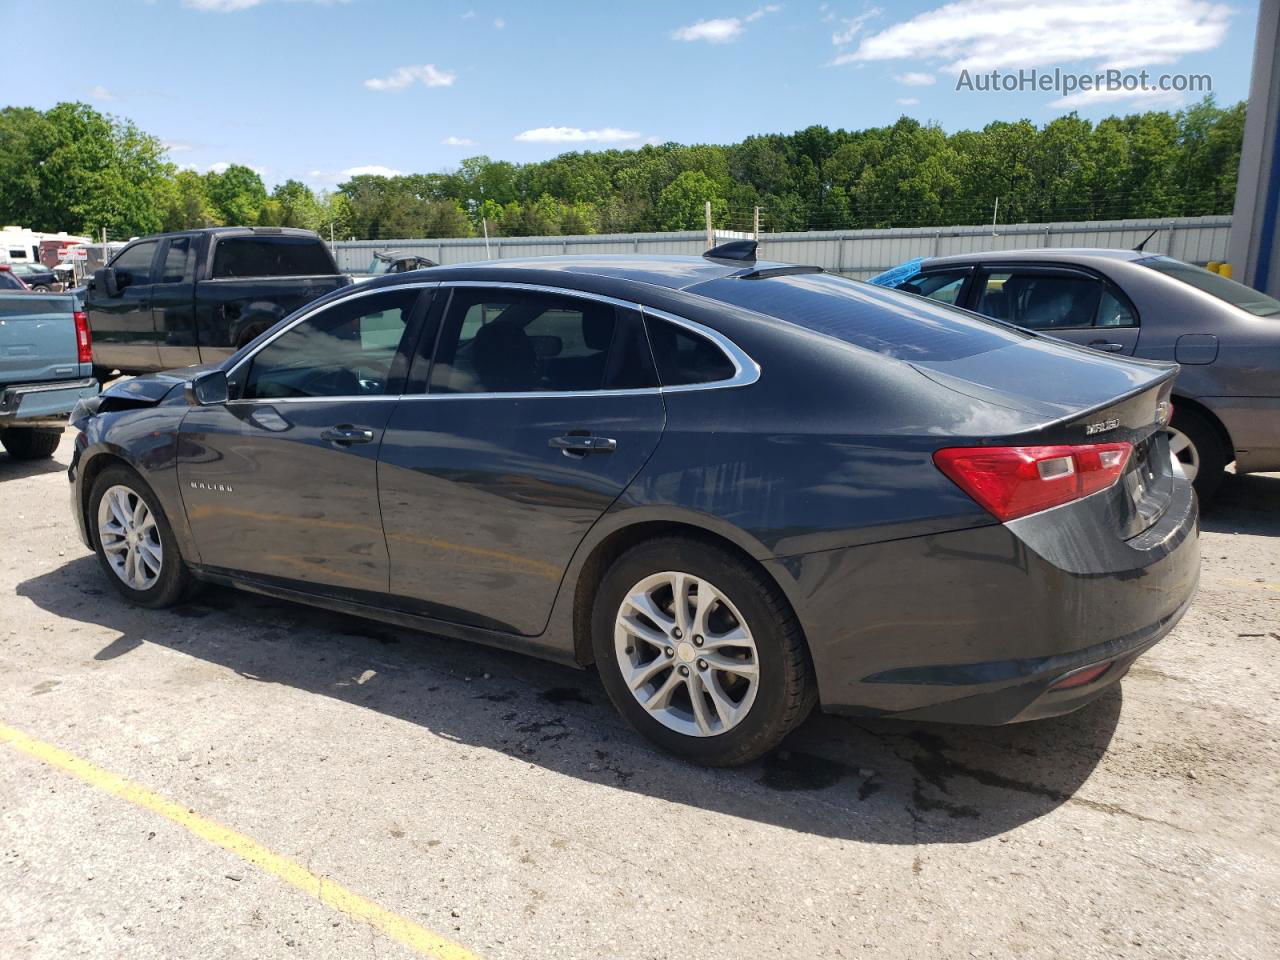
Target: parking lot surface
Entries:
(241, 777)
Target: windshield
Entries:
(1236, 294)
(378, 265)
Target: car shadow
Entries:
(11, 469)
(870, 780)
(1245, 504)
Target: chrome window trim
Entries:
(746, 370)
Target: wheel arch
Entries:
(617, 541)
(1186, 403)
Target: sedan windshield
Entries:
(1236, 294)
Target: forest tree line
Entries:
(73, 168)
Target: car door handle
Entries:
(1106, 346)
(581, 445)
(345, 433)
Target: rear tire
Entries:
(1197, 444)
(740, 653)
(252, 332)
(30, 443)
(140, 555)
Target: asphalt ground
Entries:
(241, 777)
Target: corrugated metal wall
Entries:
(854, 253)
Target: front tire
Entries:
(700, 652)
(30, 443)
(1198, 445)
(133, 540)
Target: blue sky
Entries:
(316, 89)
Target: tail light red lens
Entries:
(84, 343)
(1012, 482)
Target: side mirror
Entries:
(208, 389)
(105, 280)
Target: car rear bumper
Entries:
(43, 404)
(1254, 426)
(977, 626)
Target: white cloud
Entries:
(99, 92)
(853, 26)
(369, 170)
(176, 146)
(1089, 98)
(499, 23)
(916, 79)
(458, 142)
(983, 35)
(219, 167)
(403, 77)
(908, 101)
(722, 29)
(576, 135)
(469, 15)
(768, 8)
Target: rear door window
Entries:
(505, 341)
(1042, 301)
(175, 267)
(271, 256)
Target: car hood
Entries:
(151, 388)
(1045, 377)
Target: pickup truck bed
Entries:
(45, 370)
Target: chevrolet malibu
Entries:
(737, 488)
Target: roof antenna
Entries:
(738, 251)
(1138, 248)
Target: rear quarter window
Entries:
(867, 316)
(270, 256)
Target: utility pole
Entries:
(484, 225)
(711, 232)
(756, 228)
(995, 212)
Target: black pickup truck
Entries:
(199, 295)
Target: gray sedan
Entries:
(1225, 335)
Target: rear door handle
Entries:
(1106, 347)
(575, 445)
(345, 433)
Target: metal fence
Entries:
(853, 253)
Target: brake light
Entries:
(84, 343)
(1012, 482)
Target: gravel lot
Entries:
(499, 801)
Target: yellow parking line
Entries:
(331, 894)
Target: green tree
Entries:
(73, 168)
(682, 203)
(237, 194)
(186, 203)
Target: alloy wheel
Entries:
(1180, 446)
(686, 654)
(130, 538)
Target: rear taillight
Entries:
(84, 344)
(1012, 482)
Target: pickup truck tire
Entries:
(146, 533)
(30, 443)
